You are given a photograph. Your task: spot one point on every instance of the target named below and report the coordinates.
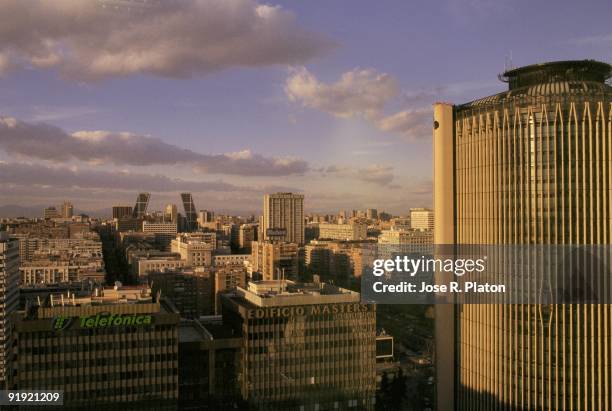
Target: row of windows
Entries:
(98, 361)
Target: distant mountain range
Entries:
(12, 210)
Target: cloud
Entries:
(409, 122)
(376, 174)
(63, 177)
(99, 39)
(358, 93)
(37, 175)
(47, 142)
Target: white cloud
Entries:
(415, 123)
(46, 142)
(94, 39)
(358, 93)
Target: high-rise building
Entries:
(283, 217)
(9, 298)
(304, 346)
(190, 211)
(530, 165)
(67, 209)
(171, 213)
(142, 203)
(122, 211)
(421, 219)
(371, 213)
(274, 259)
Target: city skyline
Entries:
(74, 125)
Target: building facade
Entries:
(164, 232)
(304, 346)
(121, 211)
(9, 298)
(195, 249)
(117, 349)
(356, 230)
(272, 259)
(283, 218)
(421, 219)
(530, 165)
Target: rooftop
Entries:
(557, 71)
(273, 293)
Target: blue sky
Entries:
(329, 98)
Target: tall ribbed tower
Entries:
(532, 165)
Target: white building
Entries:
(353, 231)
(421, 219)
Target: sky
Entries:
(231, 99)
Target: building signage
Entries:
(276, 232)
(292, 311)
(101, 320)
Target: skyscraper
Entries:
(142, 202)
(190, 211)
(9, 297)
(527, 166)
(283, 217)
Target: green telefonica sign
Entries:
(102, 320)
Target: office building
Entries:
(421, 219)
(304, 346)
(272, 260)
(195, 248)
(122, 211)
(529, 165)
(115, 348)
(209, 361)
(142, 203)
(164, 232)
(283, 218)
(9, 299)
(190, 212)
(338, 260)
(355, 230)
(191, 290)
